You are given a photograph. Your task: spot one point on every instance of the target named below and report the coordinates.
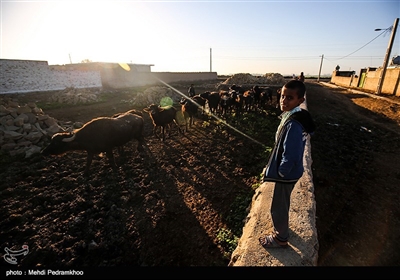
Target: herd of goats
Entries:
(103, 134)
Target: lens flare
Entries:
(125, 66)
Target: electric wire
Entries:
(386, 30)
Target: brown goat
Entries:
(97, 136)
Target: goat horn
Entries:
(69, 139)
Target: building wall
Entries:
(120, 78)
(390, 84)
(179, 76)
(19, 76)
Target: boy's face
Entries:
(289, 99)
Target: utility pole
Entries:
(70, 60)
(386, 61)
(320, 67)
(210, 59)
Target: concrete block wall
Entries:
(391, 83)
(19, 76)
(179, 76)
(119, 78)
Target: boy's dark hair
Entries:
(299, 86)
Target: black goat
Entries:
(162, 117)
(213, 99)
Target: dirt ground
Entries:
(356, 172)
(173, 206)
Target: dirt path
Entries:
(356, 169)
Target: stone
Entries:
(12, 135)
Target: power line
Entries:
(386, 30)
(309, 57)
(294, 58)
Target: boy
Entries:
(285, 164)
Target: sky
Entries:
(227, 37)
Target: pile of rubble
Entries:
(24, 129)
(267, 79)
(75, 96)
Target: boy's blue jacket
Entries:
(285, 162)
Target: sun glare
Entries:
(103, 31)
(63, 32)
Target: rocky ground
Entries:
(182, 203)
